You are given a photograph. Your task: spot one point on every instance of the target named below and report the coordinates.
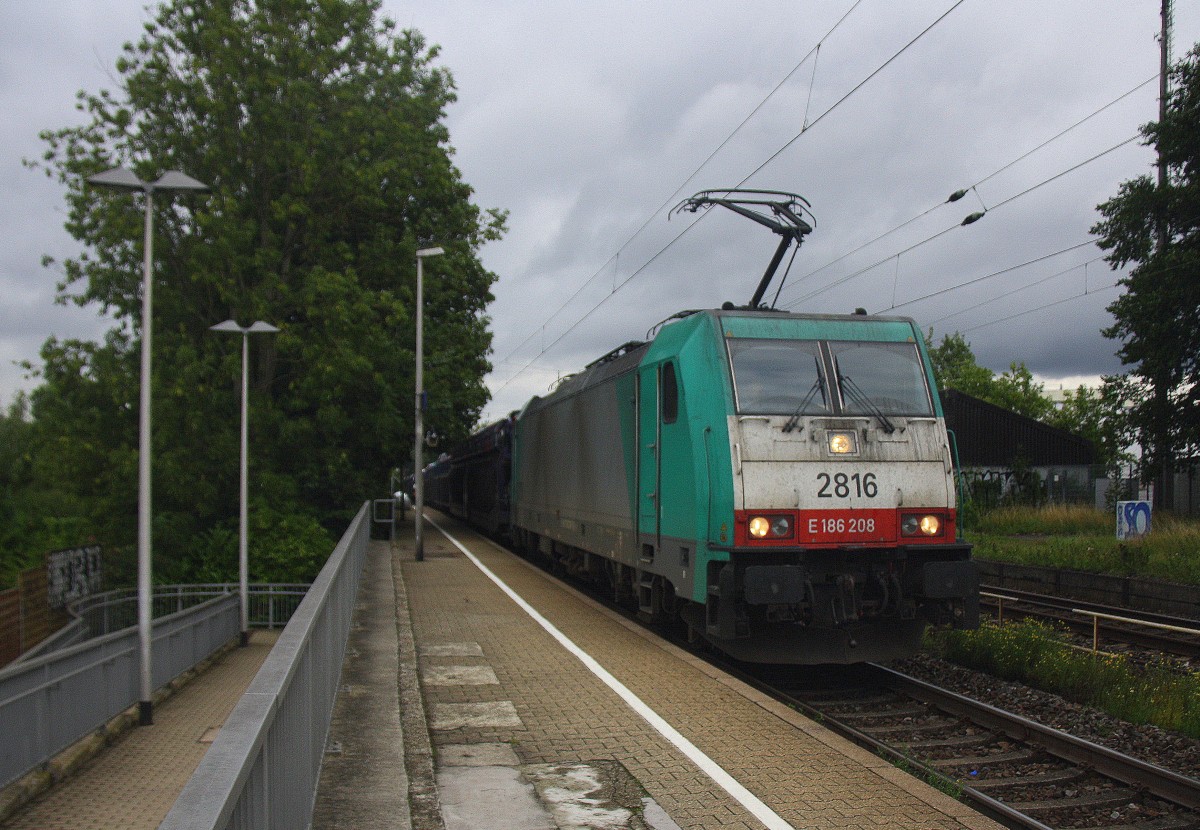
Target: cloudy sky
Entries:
(588, 122)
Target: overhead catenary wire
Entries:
(1028, 311)
(617, 286)
(993, 274)
(615, 258)
(1071, 169)
(1016, 291)
(1061, 133)
(701, 216)
(855, 89)
(1087, 291)
(813, 53)
(610, 295)
(842, 280)
(993, 174)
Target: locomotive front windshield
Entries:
(811, 377)
(779, 376)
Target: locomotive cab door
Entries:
(649, 474)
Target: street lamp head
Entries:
(228, 325)
(424, 252)
(118, 178)
(121, 178)
(174, 180)
(257, 327)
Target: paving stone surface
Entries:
(133, 783)
(807, 775)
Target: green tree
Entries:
(320, 131)
(15, 436)
(954, 367)
(1098, 415)
(1155, 227)
(1017, 391)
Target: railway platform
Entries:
(480, 694)
(524, 704)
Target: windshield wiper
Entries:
(794, 420)
(860, 398)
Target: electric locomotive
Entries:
(781, 482)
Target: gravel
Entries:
(1148, 743)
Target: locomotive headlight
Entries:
(769, 527)
(759, 527)
(843, 443)
(915, 524)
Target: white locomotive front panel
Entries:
(857, 496)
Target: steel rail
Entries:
(1168, 785)
(986, 804)
(982, 802)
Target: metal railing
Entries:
(49, 702)
(271, 606)
(262, 770)
(1097, 616)
(1000, 600)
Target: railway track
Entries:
(1156, 632)
(1023, 773)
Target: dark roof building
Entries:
(991, 436)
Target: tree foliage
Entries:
(954, 367)
(1155, 227)
(1095, 414)
(1101, 416)
(319, 129)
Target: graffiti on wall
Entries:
(73, 573)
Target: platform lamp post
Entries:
(119, 178)
(257, 327)
(418, 411)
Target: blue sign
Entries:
(1133, 519)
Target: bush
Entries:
(287, 547)
(283, 547)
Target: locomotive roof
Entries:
(736, 322)
(745, 322)
(772, 314)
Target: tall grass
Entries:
(1033, 653)
(1081, 538)
(1049, 520)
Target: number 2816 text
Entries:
(843, 486)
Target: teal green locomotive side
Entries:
(781, 482)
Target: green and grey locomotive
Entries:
(781, 482)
